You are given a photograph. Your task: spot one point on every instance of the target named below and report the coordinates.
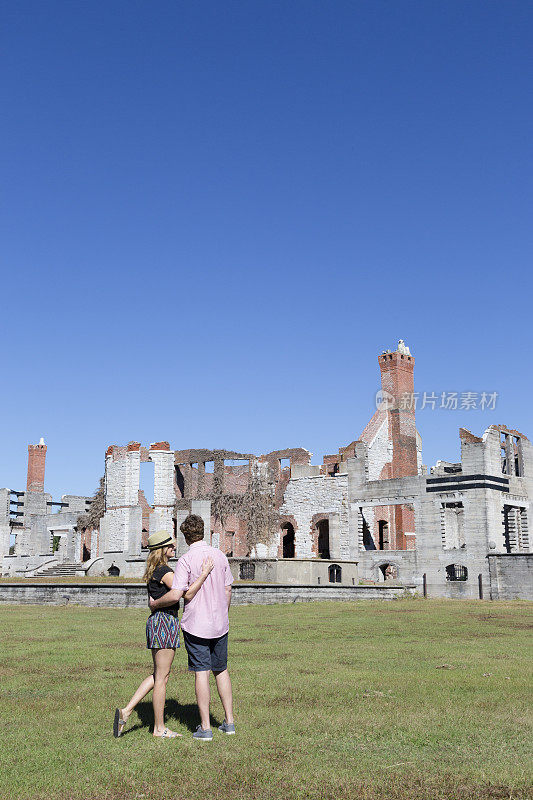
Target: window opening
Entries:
(456, 572)
(247, 571)
(383, 535)
(146, 481)
(288, 540)
(323, 538)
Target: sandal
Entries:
(118, 724)
(168, 734)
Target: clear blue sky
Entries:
(215, 215)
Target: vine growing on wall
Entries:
(256, 506)
(91, 520)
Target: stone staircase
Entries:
(65, 570)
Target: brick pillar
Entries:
(397, 379)
(36, 464)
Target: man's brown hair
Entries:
(192, 528)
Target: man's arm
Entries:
(228, 594)
(168, 599)
(174, 595)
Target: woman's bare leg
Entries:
(146, 686)
(162, 662)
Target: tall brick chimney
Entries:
(36, 464)
(397, 379)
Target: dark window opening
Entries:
(335, 573)
(456, 572)
(389, 572)
(383, 535)
(453, 470)
(508, 529)
(180, 480)
(113, 571)
(504, 460)
(86, 553)
(288, 540)
(368, 541)
(247, 571)
(323, 538)
(515, 529)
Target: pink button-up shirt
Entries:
(206, 615)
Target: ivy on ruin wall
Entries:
(91, 520)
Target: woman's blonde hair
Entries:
(156, 558)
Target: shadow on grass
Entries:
(184, 714)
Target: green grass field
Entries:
(393, 700)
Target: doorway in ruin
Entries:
(323, 538)
(287, 538)
(383, 535)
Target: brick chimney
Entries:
(397, 380)
(36, 464)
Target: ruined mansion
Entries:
(372, 512)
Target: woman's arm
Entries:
(207, 566)
(170, 598)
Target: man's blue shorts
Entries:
(206, 654)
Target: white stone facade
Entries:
(305, 498)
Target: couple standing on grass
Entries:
(203, 578)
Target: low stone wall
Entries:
(134, 595)
(511, 576)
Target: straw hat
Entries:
(160, 539)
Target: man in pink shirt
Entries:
(205, 622)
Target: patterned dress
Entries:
(162, 627)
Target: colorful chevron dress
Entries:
(162, 627)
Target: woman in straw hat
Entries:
(162, 632)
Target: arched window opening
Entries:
(247, 571)
(335, 573)
(113, 571)
(383, 535)
(323, 538)
(456, 572)
(389, 572)
(287, 539)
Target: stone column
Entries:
(203, 509)
(182, 545)
(5, 528)
(164, 497)
(121, 525)
(334, 537)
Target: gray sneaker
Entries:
(227, 727)
(205, 736)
